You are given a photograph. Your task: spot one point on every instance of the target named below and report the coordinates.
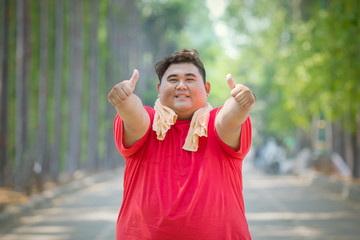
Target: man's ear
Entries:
(207, 88)
(158, 87)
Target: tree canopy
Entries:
(60, 58)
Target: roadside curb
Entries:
(12, 215)
(346, 189)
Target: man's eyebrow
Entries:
(176, 75)
(171, 75)
(190, 74)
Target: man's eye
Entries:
(190, 80)
(173, 80)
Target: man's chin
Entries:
(183, 105)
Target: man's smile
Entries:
(182, 95)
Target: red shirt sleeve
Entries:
(119, 130)
(245, 140)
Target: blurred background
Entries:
(60, 58)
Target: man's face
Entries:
(183, 90)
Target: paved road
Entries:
(277, 207)
(286, 207)
(88, 214)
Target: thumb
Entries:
(134, 78)
(230, 81)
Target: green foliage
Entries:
(144, 31)
(303, 60)
(300, 60)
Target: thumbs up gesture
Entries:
(121, 91)
(241, 94)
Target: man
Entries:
(183, 175)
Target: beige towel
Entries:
(165, 117)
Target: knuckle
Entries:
(246, 90)
(234, 92)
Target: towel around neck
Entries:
(165, 117)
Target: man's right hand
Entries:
(123, 90)
(130, 109)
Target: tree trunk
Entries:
(93, 136)
(43, 91)
(109, 83)
(27, 159)
(58, 70)
(337, 139)
(22, 88)
(136, 46)
(357, 158)
(4, 90)
(302, 140)
(349, 149)
(19, 91)
(75, 86)
(112, 65)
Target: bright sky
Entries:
(217, 9)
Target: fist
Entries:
(121, 91)
(241, 94)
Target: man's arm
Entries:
(130, 109)
(234, 113)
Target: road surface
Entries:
(277, 207)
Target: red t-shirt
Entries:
(171, 193)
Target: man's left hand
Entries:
(242, 94)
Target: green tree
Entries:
(303, 58)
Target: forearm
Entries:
(228, 122)
(232, 115)
(131, 111)
(135, 119)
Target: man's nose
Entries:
(181, 85)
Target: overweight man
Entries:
(183, 174)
